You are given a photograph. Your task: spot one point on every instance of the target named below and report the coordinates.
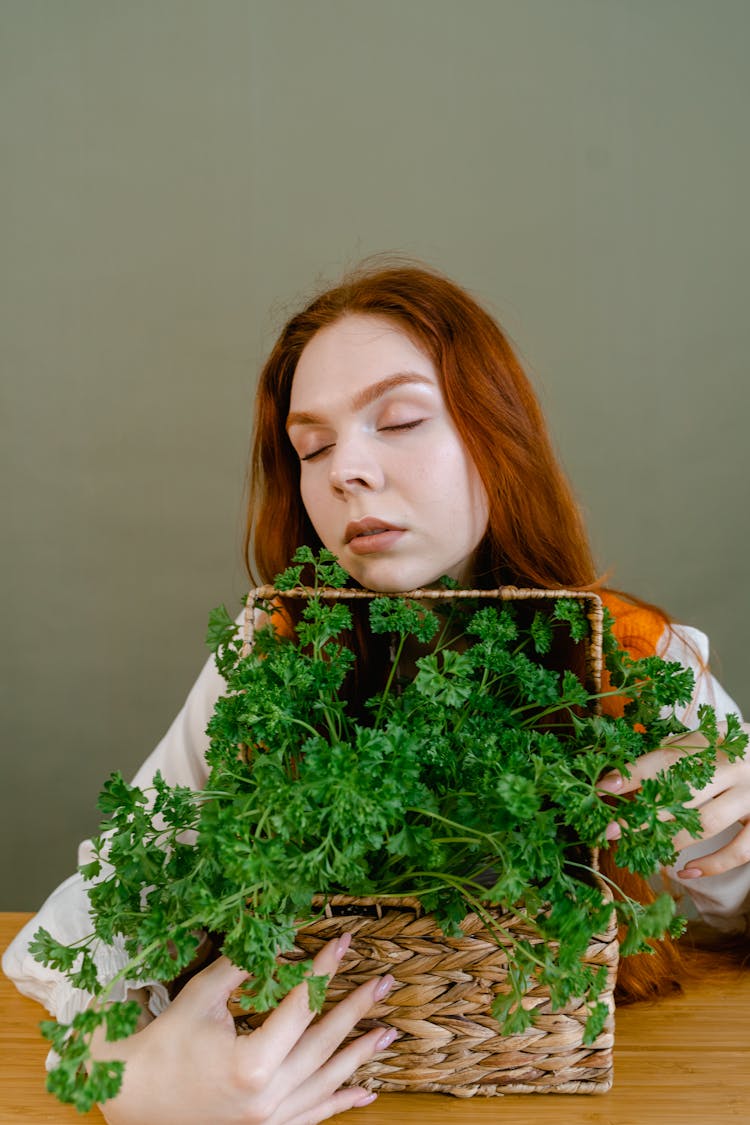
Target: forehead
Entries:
(353, 353)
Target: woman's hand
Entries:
(189, 1066)
(723, 802)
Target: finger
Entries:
(269, 1045)
(716, 817)
(710, 792)
(718, 807)
(614, 829)
(319, 1087)
(210, 989)
(649, 765)
(351, 1097)
(322, 1039)
(616, 782)
(732, 855)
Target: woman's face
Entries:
(385, 478)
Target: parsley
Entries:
(472, 783)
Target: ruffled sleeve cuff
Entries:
(65, 915)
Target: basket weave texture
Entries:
(440, 1003)
(444, 986)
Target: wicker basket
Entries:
(440, 1003)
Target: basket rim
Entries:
(595, 614)
(413, 902)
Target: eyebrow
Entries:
(364, 397)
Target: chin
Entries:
(391, 577)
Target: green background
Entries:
(177, 175)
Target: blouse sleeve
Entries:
(181, 758)
(720, 901)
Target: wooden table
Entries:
(684, 1060)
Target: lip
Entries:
(370, 535)
(368, 525)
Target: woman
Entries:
(395, 427)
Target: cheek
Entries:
(455, 477)
(312, 497)
(479, 501)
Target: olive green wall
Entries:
(178, 173)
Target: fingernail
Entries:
(611, 783)
(342, 945)
(690, 873)
(613, 831)
(383, 987)
(366, 1099)
(386, 1039)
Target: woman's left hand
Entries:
(723, 802)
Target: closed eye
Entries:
(402, 426)
(316, 452)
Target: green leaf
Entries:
(495, 628)
(86, 976)
(84, 1090)
(644, 922)
(735, 741)
(443, 678)
(55, 1033)
(571, 610)
(119, 797)
(411, 840)
(316, 991)
(541, 633)
(90, 870)
(325, 570)
(121, 1019)
(222, 629)
(52, 953)
(573, 691)
(404, 617)
(329, 572)
(290, 578)
(518, 795)
(597, 1018)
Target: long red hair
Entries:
(535, 535)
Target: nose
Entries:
(353, 468)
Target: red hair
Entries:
(535, 535)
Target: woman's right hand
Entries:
(190, 1067)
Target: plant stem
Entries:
(389, 681)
